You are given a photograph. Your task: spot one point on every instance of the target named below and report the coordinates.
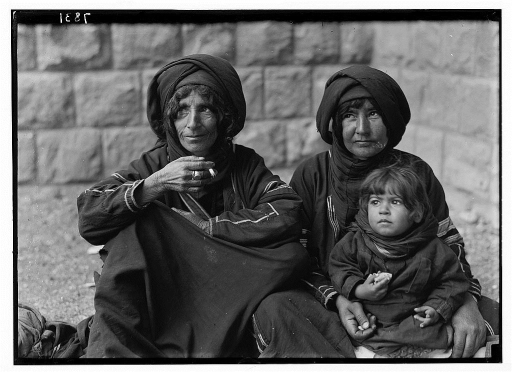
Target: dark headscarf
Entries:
(214, 72)
(382, 87)
(346, 173)
(217, 74)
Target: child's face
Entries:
(388, 215)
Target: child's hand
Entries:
(372, 289)
(426, 315)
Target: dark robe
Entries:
(167, 288)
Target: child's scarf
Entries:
(400, 246)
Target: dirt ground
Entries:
(55, 270)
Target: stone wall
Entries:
(81, 94)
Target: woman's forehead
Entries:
(195, 97)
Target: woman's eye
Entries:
(374, 114)
(182, 113)
(206, 111)
(348, 115)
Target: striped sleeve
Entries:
(107, 207)
(451, 236)
(321, 287)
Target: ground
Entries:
(55, 269)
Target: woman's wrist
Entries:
(341, 301)
(148, 191)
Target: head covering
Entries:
(214, 72)
(347, 84)
(219, 75)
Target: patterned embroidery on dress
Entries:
(331, 214)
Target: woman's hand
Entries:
(469, 329)
(187, 174)
(358, 325)
(426, 315)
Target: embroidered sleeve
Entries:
(450, 235)
(272, 221)
(107, 207)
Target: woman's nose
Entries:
(194, 119)
(363, 125)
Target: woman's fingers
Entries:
(201, 165)
(203, 174)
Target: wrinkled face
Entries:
(196, 124)
(364, 132)
(388, 215)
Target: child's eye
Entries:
(374, 202)
(397, 202)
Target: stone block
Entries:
(264, 43)
(487, 50)
(357, 42)
(427, 40)
(108, 98)
(321, 74)
(441, 107)
(145, 45)
(285, 173)
(303, 140)
(26, 157)
(392, 43)
(415, 85)
(62, 47)
(458, 53)
(287, 92)
(466, 164)
(267, 138)
(494, 170)
(147, 75)
(429, 147)
(122, 145)
(459, 201)
(66, 156)
(26, 47)
(476, 103)
(316, 43)
(408, 142)
(45, 100)
(252, 85)
(217, 39)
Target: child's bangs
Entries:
(386, 184)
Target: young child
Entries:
(392, 261)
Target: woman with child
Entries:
(363, 115)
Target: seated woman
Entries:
(363, 114)
(198, 231)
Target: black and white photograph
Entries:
(258, 187)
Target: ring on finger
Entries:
(196, 175)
